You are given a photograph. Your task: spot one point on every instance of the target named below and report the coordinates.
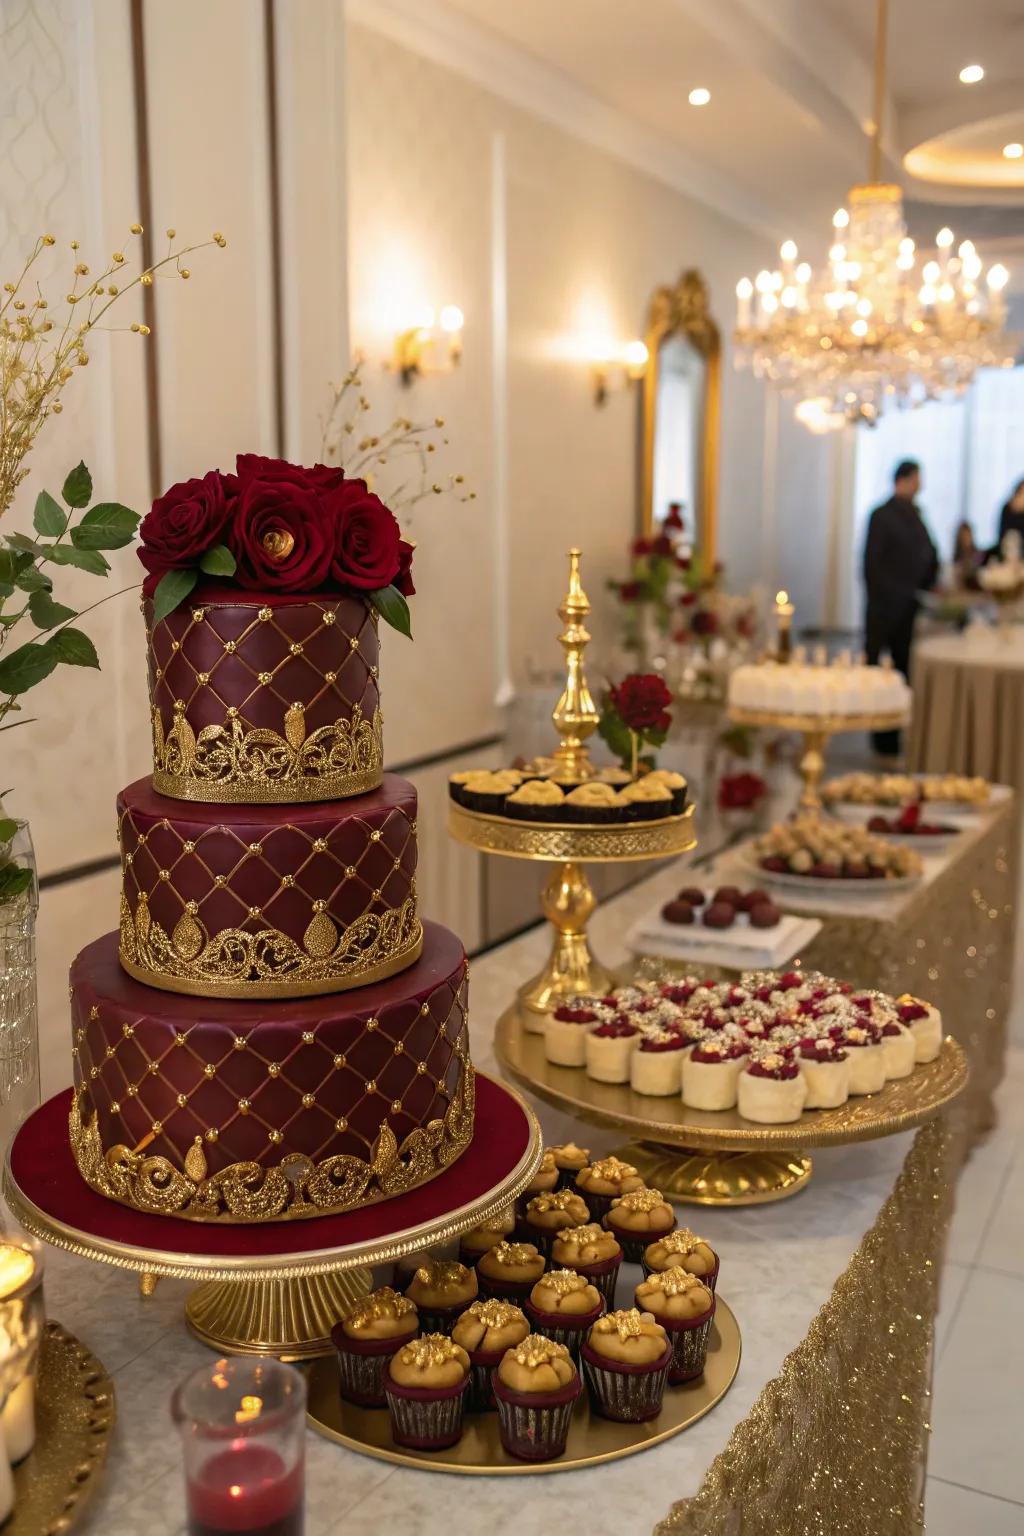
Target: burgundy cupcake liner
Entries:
(442, 1319)
(540, 1237)
(633, 1244)
(689, 1342)
(535, 1425)
(362, 1365)
(631, 1394)
(603, 1275)
(423, 1419)
(482, 1364)
(567, 1178)
(470, 1257)
(710, 1280)
(504, 1290)
(597, 1205)
(553, 1326)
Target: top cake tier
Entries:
(258, 699)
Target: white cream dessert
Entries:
(899, 1049)
(609, 1051)
(711, 1071)
(825, 1068)
(656, 1065)
(925, 1024)
(867, 1059)
(772, 1090)
(565, 1034)
(811, 689)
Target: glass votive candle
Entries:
(242, 1424)
(22, 1315)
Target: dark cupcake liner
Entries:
(678, 801)
(631, 1394)
(535, 1425)
(567, 1178)
(482, 1365)
(442, 1319)
(650, 810)
(710, 1280)
(603, 1275)
(423, 1419)
(689, 1342)
(362, 1365)
(553, 1325)
(486, 805)
(541, 1237)
(633, 1244)
(504, 1290)
(457, 792)
(597, 1205)
(520, 812)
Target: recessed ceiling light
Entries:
(1013, 151)
(971, 74)
(700, 97)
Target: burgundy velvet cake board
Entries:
(276, 1287)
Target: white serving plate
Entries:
(816, 883)
(739, 948)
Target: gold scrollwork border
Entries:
(545, 841)
(294, 1189)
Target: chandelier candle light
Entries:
(874, 326)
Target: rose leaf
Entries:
(393, 609)
(172, 589)
(77, 487)
(26, 667)
(48, 517)
(108, 525)
(45, 613)
(218, 561)
(74, 648)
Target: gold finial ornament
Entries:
(575, 715)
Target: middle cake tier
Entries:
(268, 900)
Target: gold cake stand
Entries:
(817, 731)
(568, 900)
(592, 1439)
(703, 1158)
(280, 1303)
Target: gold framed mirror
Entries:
(681, 410)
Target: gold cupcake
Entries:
(432, 1361)
(564, 1291)
(673, 1293)
(608, 1176)
(490, 1326)
(512, 1262)
(558, 1208)
(681, 1248)
(589, 1244)
(629, 1336)
(537, 1365)
(384, 1314)
(442, 1283)
(641, 1210)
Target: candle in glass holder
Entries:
(243, 1426)
(784, 623)
(21, 1324)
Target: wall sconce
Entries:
(609, 372)
(414, 346)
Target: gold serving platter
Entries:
(592, 1440)
(585, 843)
(828, 725)
(75, 1414)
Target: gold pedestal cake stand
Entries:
(817, 731)
(696, 1157)
(275, 1288)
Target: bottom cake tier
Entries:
(268, 1111)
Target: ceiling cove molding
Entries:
(452, 41)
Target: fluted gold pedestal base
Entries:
(567, 902)
(290, 1319)
(718, 1178)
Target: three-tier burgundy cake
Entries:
(273, 1033)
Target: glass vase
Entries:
(19, 1003)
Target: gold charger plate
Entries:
(899, 1106)
(75, 1414)
(583, 842)
(592, 1440)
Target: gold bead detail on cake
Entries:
(115, 1108)
(308, 1037)
(350, 871)
(265, 677)
(232, 711)
(179, 1042)
(132, 1091)
(274, 1069)
(154, 1067)
(244, 1106)
(341, 1125)
(308, 1101)
(230, 647)
(165, 874)
(254, 912)
(203, 678)
(288, 880)
(94, 1013)
(372, 1023)
(127, 1030)
(375, 835)
(329, 616)
(320, 845)
(212, 1133)
(188, 847)
(256, 848)
(192, 907)
(399, 1047)
(421, 1067)
(339, 1062)
(182, 1100)
(157, 1127)
(276, 1137)
(197, 615)
(175, 645)
(330, 677)
(424, 1009)
(209, 1070)
(94, 1072)
(371, 1086)
(396, 1106)
(295, 648)
(109, 1052)
(353, 642)
(240, 1042)
(265, 615)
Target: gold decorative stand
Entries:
(568, 900)
(817, 731)
(702, 1158)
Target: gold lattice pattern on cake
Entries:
(235, 761)
(255, 958)
(300, 1184)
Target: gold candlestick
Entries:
(575, 715)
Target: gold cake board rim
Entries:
(592, 1440)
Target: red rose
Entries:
(282, 540)
(662, 545)
(403, 581)
(184, 523)
(688, 599)
(739, 791)
(367, 539)
(684, 562)
(705, 623)
(319, 477)
(629, 591)
(642, 701)
(641, 547)
(674, 518)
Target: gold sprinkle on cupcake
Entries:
(628, 1323)
(555, 1200)
(442, 1275)
(536, 1350)
(612, 1169)
(676, 1281)
(432, 1349)
(513, 1253)
(645, 1200)
(384, 1303)
(683, 1242)
(494, 1313)
(564, 1282)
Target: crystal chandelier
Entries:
(873, 327)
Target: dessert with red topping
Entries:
(657, 1063)
(565, 1034)
(898, 1048)
(813, 845)
(771, 1090)
(609, 1050)
(925, 1024)
(826, 1071)
(867, 1059)
(910, 823)
(711, 1072)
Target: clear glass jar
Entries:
(19, 1003)
(242, 1424)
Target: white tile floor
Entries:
(976, 1466)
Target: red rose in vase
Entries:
(184, 523)
(642, 547)
(740, 791)
(630, 591)
(282, 537)
(705, 622)
(642, 702)
(367, 540)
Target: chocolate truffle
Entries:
(719, 915)
(765, 915)
(730, 894)
(677, 912)
(751, 899)
(693, 894)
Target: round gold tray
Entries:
(827, 725)
(75, 1413)
(584, 843)
(706, 1158)
(592, 1439)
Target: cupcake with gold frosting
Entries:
(483, 790)
(535, 1390)
(426, 1384)
(509, 1270)
(373, 1328)
(485, 1331)
(646, 799)
(685, 1308)
(591, 1252)
(600, 1182)
(536, 800)
(441, 1290)
(569, 1160)
(593, 803)
(637, 1218)
(547, 1214)
(562, 1306)
(473, 1245)
(405, 1267)
(626, 1361)
(544, 1180)
(682, 1249)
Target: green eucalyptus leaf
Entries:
(8, 565)
(26, 667)
(14, 880)
(47, 614)
(107, 525)
(8, 828)
(22, 541)
(84, 559)
(32, 579)
(73, 648)
(77, 490)
(49, 517)
(218, 561)
(173, 588)
(393, 609)
(6, 589)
